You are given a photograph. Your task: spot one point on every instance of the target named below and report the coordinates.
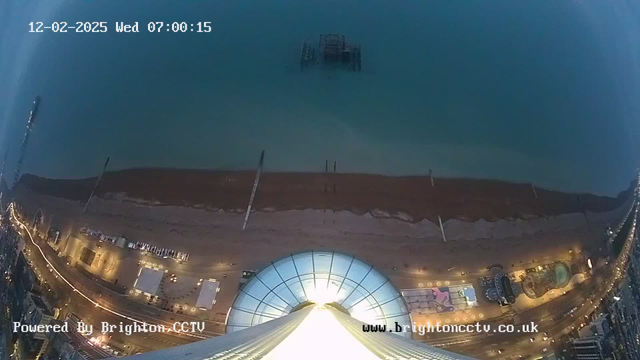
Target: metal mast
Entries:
(23, 149)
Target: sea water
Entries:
(531, 91)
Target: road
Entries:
(94, 304)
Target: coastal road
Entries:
(547, 317)
(95, 304)
(72, 302)
(552, 317)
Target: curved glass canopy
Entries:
(321, 278)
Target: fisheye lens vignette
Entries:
(344, 180)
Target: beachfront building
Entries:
(314, 305)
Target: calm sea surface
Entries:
(543, 91)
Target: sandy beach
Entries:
(382, 221)
(411, 199)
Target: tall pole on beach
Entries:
(104, 169)
(253, 191)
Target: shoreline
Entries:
(410, 199)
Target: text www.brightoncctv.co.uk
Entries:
(455, 328)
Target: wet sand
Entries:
(410, 198)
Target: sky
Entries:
(529, 91)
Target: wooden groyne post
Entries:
(104, 169)
(326, 170)
(444, 237)
(253, 191)
(584, 212)
(533, 187)
(334, 179)
(535, 193)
